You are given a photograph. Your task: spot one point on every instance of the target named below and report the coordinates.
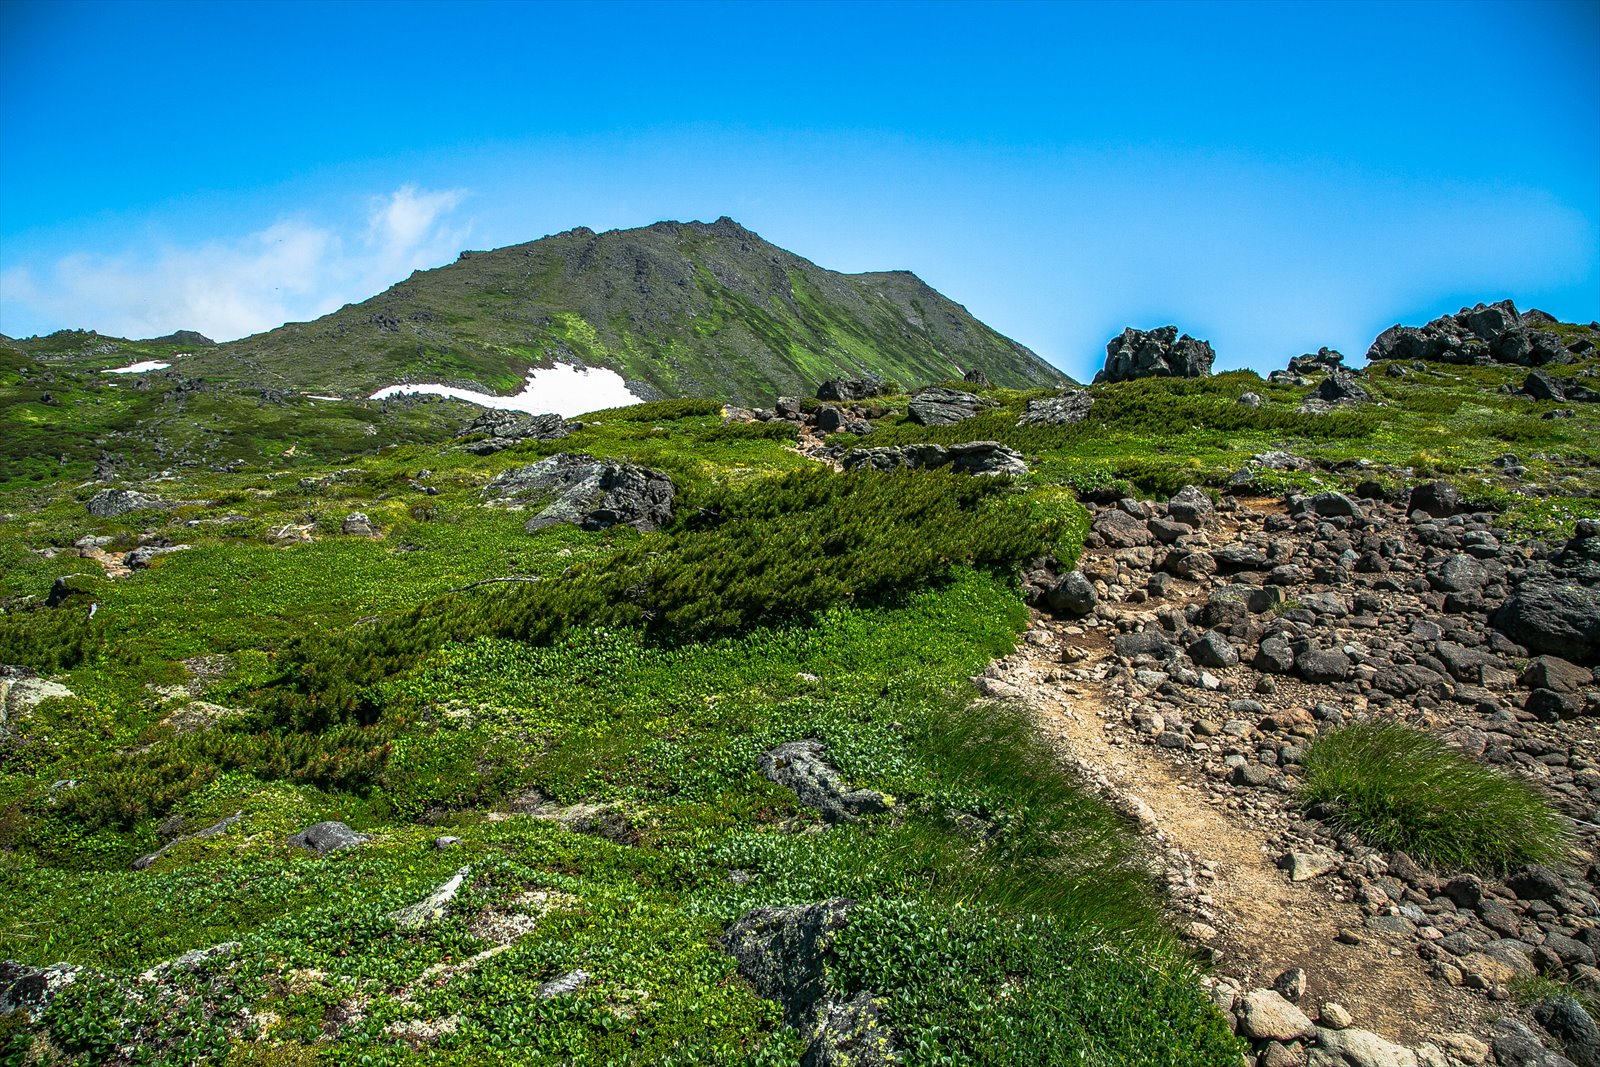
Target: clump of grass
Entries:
(1400, 788)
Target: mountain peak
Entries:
(676, 308)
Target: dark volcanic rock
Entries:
(1121, 530)
(944, 407)
(1072, 595)
(802, 766)
(1566, 1021)
(1556, 618)
(1486, 333)
(595, 494)
(1435, 498)
(1340, 388)
(1155, 354)
(972, 457)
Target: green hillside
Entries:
(678, 309)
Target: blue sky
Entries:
(1272, 177)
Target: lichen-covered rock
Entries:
(782, 953)
(803, 767)
(971, 457)
(326, 837)
(1062, 410)
(588, 492)
(944, 407)
(431, 907)
(500, 430)
(112, 503)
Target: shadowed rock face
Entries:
(1155, 354)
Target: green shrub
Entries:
(1400, 788)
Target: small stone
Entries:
(1334, 1016)
(1291, 984)
(445, 841)
(1266, 1016)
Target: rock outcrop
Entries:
(1484, 333)
(499, 430)
(944, 407)
(972, 457)
(803, 767)
(592, 493)
(1155, 354)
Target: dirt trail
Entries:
(1264, 923)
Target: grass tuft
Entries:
(1400, 788)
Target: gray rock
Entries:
(851, 1034)
(500, 430)
(1159, 353)
(1142, 643)
(1069, 407)
(326, 837)
(986, 457)
(1274, 656)
(1213, 649)
(1266, 1016)
(1517, 1046)
(140, 558)
(848, 389)
(971, 457)
(1555, 618)
(1356, 1048)
(1251, 400)
(1459, 573)
(1191, 506)
(112, 503)
(1534, 882)
(1553, 672)
(782, 953)
(1333, 504)
(802, 766)
(1120, 530)
(1540, 386)
(1438, 499)
(30, 989)
(356, 524)
(1324, 665)
(594, 494)
(1486, 333)
(944, 407)
(1339, 388)
(432, 907)
(1568, 1023)
(568, 983)
(1072, 595)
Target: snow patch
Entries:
(563, 389)
(140, 367)
(314, 396)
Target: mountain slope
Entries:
(678, 309)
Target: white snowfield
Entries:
(140, 367)
(563, 389)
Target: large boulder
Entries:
(1155, 354)
(592, 493)
(848, 389)
(326, 837)
(944, 407)
(1485, 333)
(113, 503)
(1554, 618)
(783, 953)
(971, 457)
(497, 430)
(803, 767)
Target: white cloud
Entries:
(291, 271)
